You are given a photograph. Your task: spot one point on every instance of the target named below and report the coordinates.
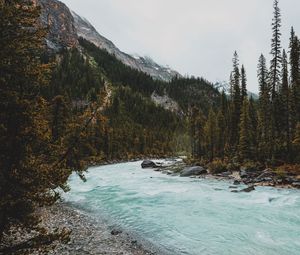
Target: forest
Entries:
(247, 131)
(61, 113)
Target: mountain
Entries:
(224, 86)
(144, 64)
(59, 21)
(163, 86)
(65, 27)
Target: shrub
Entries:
(280, 172)
(217, 166)
(252, 166)
(231, 167)
(287, 169)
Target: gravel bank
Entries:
(90, 236)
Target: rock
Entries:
(249, 189)
(116, 232)
(296, 185)
(236, 182)
(243, 174)
(235, 191)
(268, 179)
(232, 187)
(225, 174)
(195, 170)
(148, 164)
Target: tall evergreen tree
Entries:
(253, 125)
(244, 93)
(275, 51)
(264, 119)
(245, 147)
(235, 104)
(210, 134)
(295, 80)
(285, 108)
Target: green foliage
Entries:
(245, 148)
(185, 91)
(217, 166)
(265, 130)
(251, 166)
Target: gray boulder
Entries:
(148, 164)
(296, 185)
(249, 189)
(236, 182)
(195, 170)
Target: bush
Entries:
(280, 172)
(217, 166)
(287, 169)
(231, 167)
(252, 166)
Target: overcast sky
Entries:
(194, 37)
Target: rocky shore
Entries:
(248, 176)
(88, 235)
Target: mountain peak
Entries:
(145, 64)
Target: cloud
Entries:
(196, 37)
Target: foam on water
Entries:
(191, 216)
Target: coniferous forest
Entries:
(63, 112)
(244, 130)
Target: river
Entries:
(190, 216)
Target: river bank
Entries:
(89, 235)
(251, 177)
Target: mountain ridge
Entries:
(66, 27)
(145, 64)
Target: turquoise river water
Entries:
(191, 216)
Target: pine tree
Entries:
(285, 108)
(235, 104)
(210, 135)
(295, 80)
(253, 125)
(245, 147)
(264, 119)
(244, 93)
(220, 134)
(275, 51)
(27, 154)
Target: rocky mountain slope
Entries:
(58, 19)
(65, 27)
(144, 64)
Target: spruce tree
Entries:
(253, 125)
(210, 135)
(264, 119)
(245, 148)
(235, 104)
(295, 80)
(285, 106)
(220, 134)
(27, 154)
(275, 51)
(244, 93)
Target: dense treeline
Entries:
(185, 91)
(266, 131)
(61, 113)
(137, 128)
(34, 154)
(131, 125)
